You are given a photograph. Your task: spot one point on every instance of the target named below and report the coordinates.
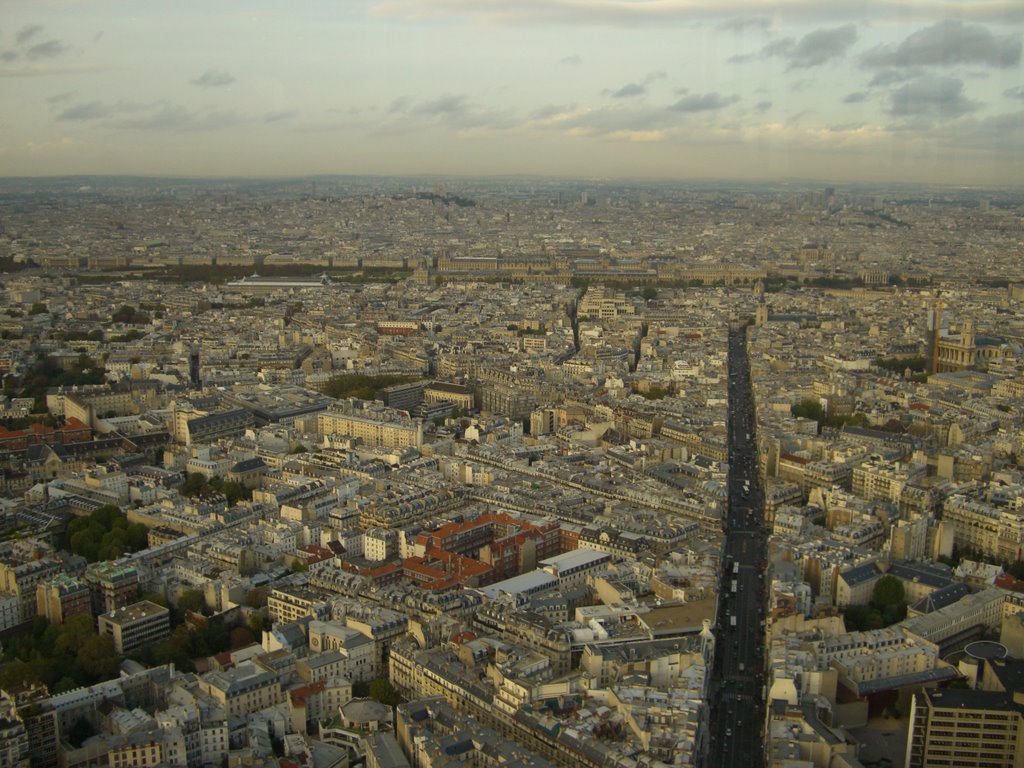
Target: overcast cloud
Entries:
(632, 88)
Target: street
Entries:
(737, 692)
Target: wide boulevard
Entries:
(737, 712)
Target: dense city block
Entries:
(509, 473)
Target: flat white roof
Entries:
(525, 582)
(575, 558)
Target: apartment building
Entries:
(355, 650)
(877, 479)
(976, 525)
(62, 597)
(397, 433)
(21, 579)
(111, 586)
(245, 689)
(287, 604)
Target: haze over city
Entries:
(918, 92)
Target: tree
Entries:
(258, 623)
(809, 408)
(233, 490)
(39, 308)
(650, 292)
(888, 592)
(362, 386)
(299, 566)
(195, 485)
(65, 684)
(97, 659)
(383, 691)
(192, 600)
(156, 597)
(73, 633)
(80, 731)
(241, 637)
(916, 363)
(124, 314)
(256, 597)
(105, 534)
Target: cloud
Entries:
(762, 106)
(454, 111)
(27, 33)
(939, 98)
(92, 110)
(213, 78)
(46, 147)
(891, 77)
(449, 104)
(947, 43)
(549, 111)
(615, 121)
(95, 110)
(45, 71)
(571, 61)
(157, 116)
(781, 47)
(1001, 132)
(1016, 92)
(745, 23)
(177, 118)
(812, 50)
(704, 102)
(822, 45)
(280, 116)
(855, 98)
(638, 13)
(629, 90)
(47, 50)
(59, 98)
(636, 89)
(399, 105)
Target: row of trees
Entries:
(197, 486)
(46, 372)
(188, 642)
(130, 315)
(104, 534)
(916, 363)
(62, 656)
(810, 408)
(363, 386)
(380, 690)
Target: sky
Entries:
(926, 91)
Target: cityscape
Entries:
(512, 384)
(411, 472)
